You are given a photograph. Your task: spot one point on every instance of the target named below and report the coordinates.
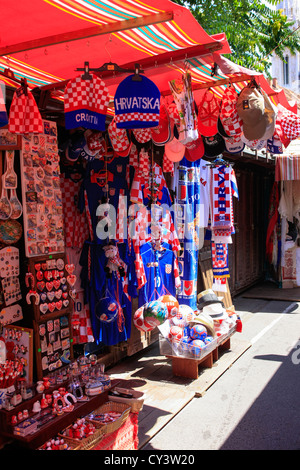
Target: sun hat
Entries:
(119, 140)
(208, 113)
(213, 145)
(85, 103)
(194, 150)
(206, 297)
(216, 311)
(137, 103)
(251, 109)
(174, 150)
(229, 118)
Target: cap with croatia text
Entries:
(137, 103)
(86, 103)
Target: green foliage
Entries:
(253, 29)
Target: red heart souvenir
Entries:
(58, 294)
(39, 275)
(44, 308)
(65, 303)
(44, 266)
(58, 304)
(48, 275)
(40, 285)
(51, 306)
(65, 295)
(56, 284)
(49, 286)
(71, 279)
(37, 266)
(50, 296)
(70, 268)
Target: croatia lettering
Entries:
(138, 103)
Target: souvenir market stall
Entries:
(113, 178)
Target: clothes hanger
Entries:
(111, 67)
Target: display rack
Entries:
(55, 425)
(52, 330)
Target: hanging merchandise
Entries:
(85, 103)
(289, 125)
(229, 118)
(163, 133)
(96, 283)
(194, 150)
(213, 145)
(75, 223)
(24, 115)
(184, 101)
(234, 144)
(157, 272)
(223, 188)
(3, 112)
(251, 109)
(175, 150)
(137, 103)
(208, 114)
(119, 139)
(191, 215)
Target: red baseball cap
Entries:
(208, 113)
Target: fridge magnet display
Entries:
(42, 209)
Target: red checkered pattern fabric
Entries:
(290, 125)
(141, 184)
(142, 135)
(130, 117)
(24, 115)
(80, 321)
(134, 157)
(91, 94)
(232, 123)
(118, 138)
(75, 223)
(168, 166)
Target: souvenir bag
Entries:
(184, 101)
(24, 115)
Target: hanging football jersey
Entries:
(157, 272)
